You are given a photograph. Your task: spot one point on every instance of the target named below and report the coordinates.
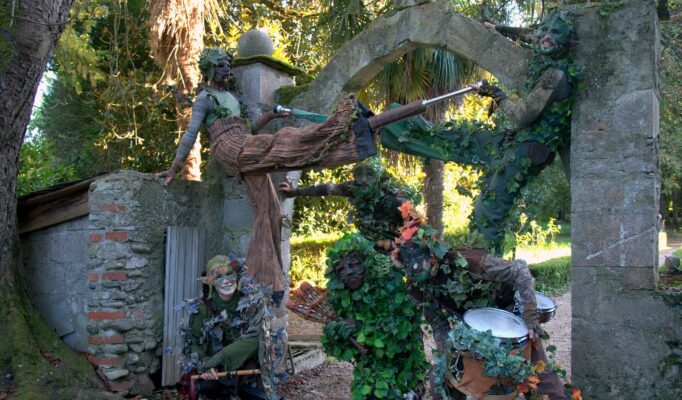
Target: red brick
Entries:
(117, 208)
(115, 276)
(120, 386)
(108, 315)
(113, 362)
(95, 237)
(115, 339)
(116, 235)
(93, 276)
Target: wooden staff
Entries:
(241, 372)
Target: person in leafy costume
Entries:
(449, 281)
(344, 138)
(523, 141)
(374, 195)
(369, 297)
(228, 327)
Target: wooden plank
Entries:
(184, 262)
(53, 212)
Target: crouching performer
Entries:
(450, 282)
(229, 339)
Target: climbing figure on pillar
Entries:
(522, 142)
(344, 138)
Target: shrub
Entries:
(553, 275)
(308, 258)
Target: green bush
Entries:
(553, 275)
(308, 258)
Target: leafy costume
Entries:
(517, 148)
(450, 281)
(380, 316)
(224, 334)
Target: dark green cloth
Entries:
(236, 344)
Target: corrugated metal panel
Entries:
(185, 260)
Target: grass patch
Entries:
(678, 253)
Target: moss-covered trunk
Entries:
(35, 363)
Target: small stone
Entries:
(122, 325)
(136, 262)
(132, 359)
(149, 345)
(115, 348)
(115, 373)
(137, 348)
(140, 248)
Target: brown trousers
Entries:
(329, 144)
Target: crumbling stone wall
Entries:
(623, 331)
(129, 212)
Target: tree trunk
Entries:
(177, 37)
(433, 193)
(29, 31)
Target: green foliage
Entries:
(387, 325)
(322, 215)
(534, 234)
(37, 169)
(553, 275)
(484, 346)
(671, 106)
(122, 121)
(308, 258)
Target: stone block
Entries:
(114, 348)
(136, 262)
(237, 213)
(621, 239)
(616, 322)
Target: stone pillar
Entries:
(620, 327)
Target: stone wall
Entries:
(57, 278)
(129, 212)
(622, 329)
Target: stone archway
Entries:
(618, 317)
(434, 25)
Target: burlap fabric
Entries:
(329, 144)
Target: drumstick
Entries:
(232, 373)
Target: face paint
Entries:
(221, 70)
(225, 285)
(351, 271)
(552, 35)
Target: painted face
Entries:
(221, 70)
(351, 270)
(224, 284)
(365, 176)
(552, 35)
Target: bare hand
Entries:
(286, 187)
(210, 375)
(167, 175)
(490, 26)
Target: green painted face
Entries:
(367, 172)
(210, 59)
(553, 34)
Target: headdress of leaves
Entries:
(209, 58)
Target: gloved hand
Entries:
(488, 90)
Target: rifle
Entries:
(385, 118)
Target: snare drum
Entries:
(546, 307)
(466, 372)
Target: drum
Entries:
(546, 307)
(466, 372)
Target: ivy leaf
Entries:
(366, 389)
(378, 343)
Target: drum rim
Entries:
(515, 340)
(517, 296)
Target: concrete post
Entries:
(620, 328)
